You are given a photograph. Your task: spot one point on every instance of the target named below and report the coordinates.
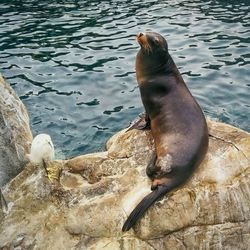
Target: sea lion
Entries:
(176, 120)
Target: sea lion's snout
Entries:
(142, 40)
(139, 35)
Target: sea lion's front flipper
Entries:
(143, 122)
(151, 170)
(141, 208)
(3, 202)
(159, 166)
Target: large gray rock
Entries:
(85, 201)
(15, 134)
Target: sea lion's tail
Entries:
(141, 208)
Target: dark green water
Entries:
(72, 62)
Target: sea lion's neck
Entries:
(147, 67)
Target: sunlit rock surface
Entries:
(15, 134)
(87, 199)
(83, 202)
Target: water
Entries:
(72, 62)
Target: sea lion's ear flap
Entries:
(156, 40)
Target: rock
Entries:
(15, 134)
(86, 204)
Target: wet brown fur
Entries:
(177, 123)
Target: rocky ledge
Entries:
(15, 134)
(82, 203)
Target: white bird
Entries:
(42, 150)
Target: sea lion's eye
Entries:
(156, 41)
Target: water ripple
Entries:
(73, 62)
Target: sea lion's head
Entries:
(152, 42)
(153, 55)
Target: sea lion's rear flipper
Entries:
(141, 208)
(143, 122)
(3, 202)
